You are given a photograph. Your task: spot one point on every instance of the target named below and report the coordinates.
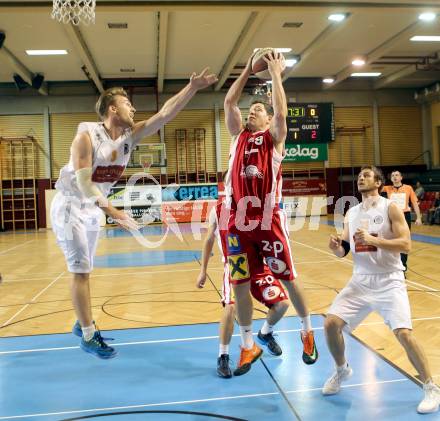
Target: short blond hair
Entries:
(106, 99)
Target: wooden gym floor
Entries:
(35, 299)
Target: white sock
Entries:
(267, 328)
(247, 341)
(306, 323)
(88, 332)
(223, 349)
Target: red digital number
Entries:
(313, 134)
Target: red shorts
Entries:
(244, 250)
(264, 288)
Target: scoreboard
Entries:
(310, 123)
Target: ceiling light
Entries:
(291, 62)
(46, 52)
(337, 17)
(427, 17)
(117, 25)
(366, 74)
(292, 24)
(427, 38)
(278, 50)
(358, 62)
(328, 80)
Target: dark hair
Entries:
(106, 99)
(378, 175)
(266, 105)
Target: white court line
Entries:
(147, 272)
(13, 248)
(222, 398)
(199, 338)
(351, 263)
(33, 299)
(324, 252)
(112, 274)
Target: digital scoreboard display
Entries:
(310, 123)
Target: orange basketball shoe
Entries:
(247, 357)
(310, 353)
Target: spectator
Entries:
(434, 212)
(419, 191)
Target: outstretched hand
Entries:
(275, 63)
(125, 221)
(202, 80)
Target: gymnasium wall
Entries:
(435, 125)
(21, 126)
(53, 121)
(400, 137)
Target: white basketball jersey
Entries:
(369, 259)
(110, 157)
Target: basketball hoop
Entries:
(74, 11)
(146, 162)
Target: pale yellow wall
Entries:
(435, 119)
(21, 126)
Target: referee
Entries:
(402, 195)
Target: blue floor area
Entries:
(154, 230)
(146, 258)
(169, 373)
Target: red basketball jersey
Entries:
(254, 170)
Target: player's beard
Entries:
(366, 189)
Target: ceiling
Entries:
(165, 41)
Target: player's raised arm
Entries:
(233, 118)
(174, 105)
(278, 127)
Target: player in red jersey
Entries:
(264, 288)
(257, 226)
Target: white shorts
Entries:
(384, 293)
(76, 227)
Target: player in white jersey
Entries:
(376, 233)
(99, 154)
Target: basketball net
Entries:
(74, 11)
(269, 93)
(146, 162)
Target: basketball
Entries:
(259, 66)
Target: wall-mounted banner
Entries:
(190, 192)
(197, 211)
(142, 202)
(137, 195)
(306, 152)
(142, 214)
(304, 187)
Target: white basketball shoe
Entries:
(431, 401)
(333, 384)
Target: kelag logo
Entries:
(191, 192)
